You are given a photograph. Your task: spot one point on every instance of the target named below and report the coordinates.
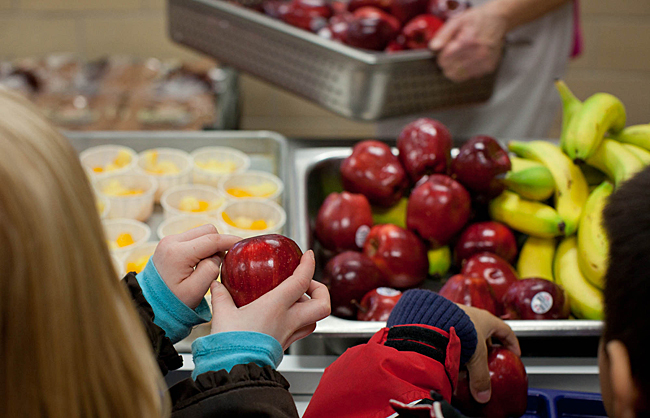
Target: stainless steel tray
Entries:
(267, 150)
(348, 81)
(316, 175)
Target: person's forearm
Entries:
(518, 12)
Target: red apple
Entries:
(490, 236)
(420, 30)
(375, 172)
(377, 304)
(337, 28)
(424, 148)
(396, 45)
(372, 29)
(509, 383)
(380, 4)
(255, 265)
(478, 163)
(536, 299)
(399, 254)
(343, 221)
(349, 276)
(445, 9)
(406, 10)
(470, 291)
(497, 271)
(310, 15)
(438, 209)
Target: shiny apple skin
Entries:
(509, 383)
(337, 27)
(424, 148)
(377, 304)
(256, 265)
(438, 208)
(406, 10)
(375, 172)
(490, 236)
(470, 291)
(339, 218)
(478, 163)
(349, 276)
(400, 255)
(380, 4)
(536, 298)
(309, 15)
(420, 30)
(497, 271)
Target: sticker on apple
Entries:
(387, 291)
(541, 303)
(361, 235)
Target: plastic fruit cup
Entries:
(252, 185)
(253, 209)
(138, 206)
(103, 155)
(117, 265)
(225, 155)
(138, 258)
(182, 223)
(180, 159)
(139, 231)
(172, 198)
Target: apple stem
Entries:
(361, 308)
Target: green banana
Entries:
(613, 159)
(529, 179)
(439, 261)
(640, 153)
(570, 106)
(585, 299)
(593, 176)
(571, 189)
(638, 135)
(536, 258)
(529, 217)
(593, 246)
(395, 214)
(599, 114)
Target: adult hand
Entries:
(189, 262)
(287, 313)
(487, 326)
(470, 44)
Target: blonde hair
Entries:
(71, 343)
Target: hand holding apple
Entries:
(284, 313)
(255, 265)
(189, 262)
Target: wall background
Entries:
(616, 57)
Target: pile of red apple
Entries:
(444, 200)
(378, 25)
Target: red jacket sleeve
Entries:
(404, 363)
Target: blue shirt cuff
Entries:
(224, 350)
(172, 315)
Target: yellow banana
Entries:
(638, 135)
(599, 114)
(613, 159)
(395, 214)
(529, 217)
(592, 238)
(536, 258)
(571, 189)
(585, 299)
(529, 179)
(570, 106)
(439, 261)
(640, 153)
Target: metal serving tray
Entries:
(316, 175)
(267, 150)
(351, 82)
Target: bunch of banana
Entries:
(529, 179)
(527, 216)
(536, 258)
(638, 135)
(571, 189)
(615, 160)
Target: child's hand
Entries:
(177, 256)
(285, 313)
(487, 326)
